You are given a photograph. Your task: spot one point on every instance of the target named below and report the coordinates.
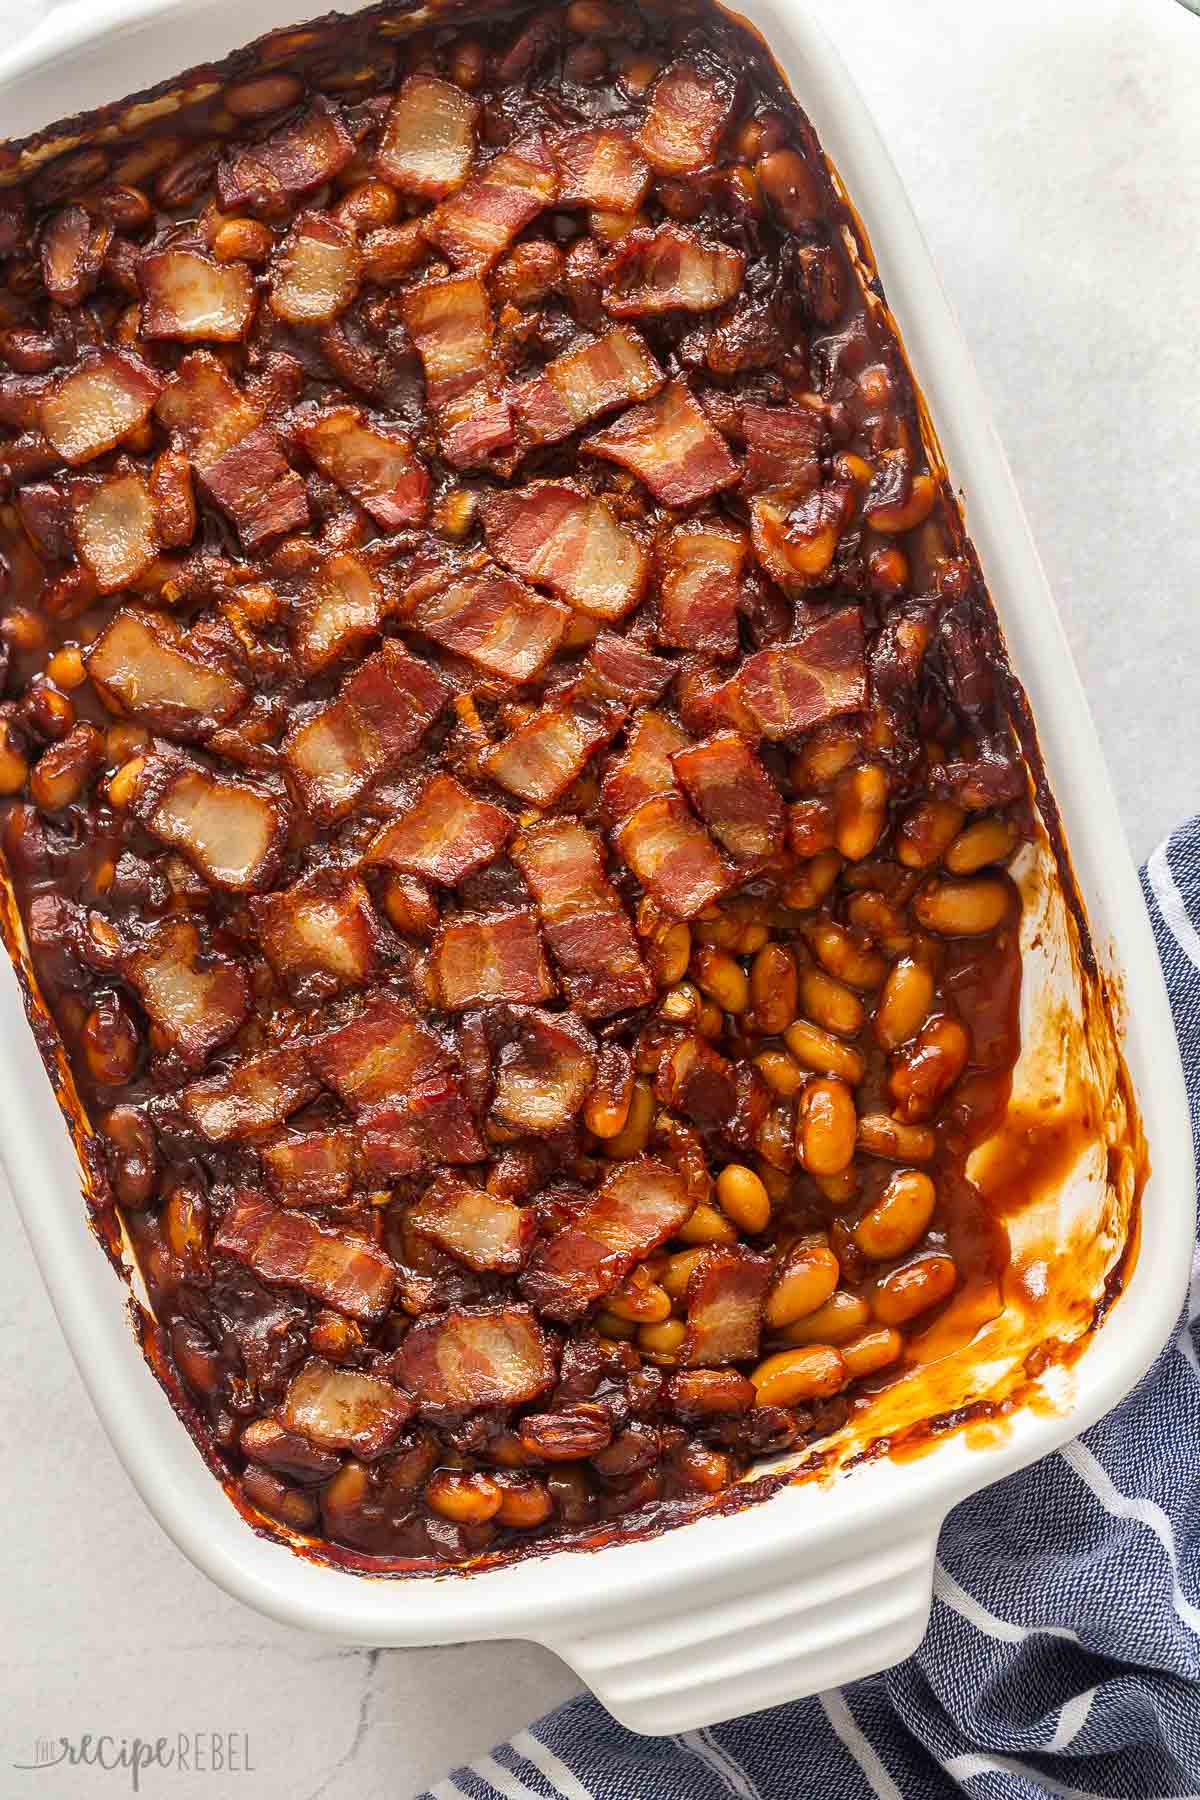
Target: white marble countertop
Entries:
(1050, 150)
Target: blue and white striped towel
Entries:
(1063, 1656)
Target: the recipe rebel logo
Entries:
(184, 1753)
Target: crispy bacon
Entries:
(492, 1356)
(174, 499)
(541, 758)
(231, 830)
(98, 404)
(698, 593)
(311, 1168)
(335, 614)
(450, 323)
(710, 700)
(197, 1001)
(378, 1054)
(725, 1300)
(797, 545)
(250, 1097)
(189, 297)
(477, 959)
(431, 1124)
(301, 155)
(637, 1207)
(672, 855)
(577, 387)
(670, 445)
(669, 269)
(205, 409)
(382, 472)
(445, 834)
(586, 926)
(348, 1273)
(145, 665)
(381, 713)
(553, 533)
(254, 483)
(428, 138)
(783, 446)
(320, 934)
(644, 768)
(480, 1229)
(114, 528)
(495, 621)
(543, 1072)
(821, 673)
(734, 795)
(690, 106)
(484, 217)
(616, 668)
(343, 1409)
(601, 169)
(699, 1393)
(694, 1079)
(316, 272)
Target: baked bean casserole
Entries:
(508, 768)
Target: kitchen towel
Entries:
(1063, 1655)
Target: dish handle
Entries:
(712, 1649)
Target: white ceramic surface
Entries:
(590, 1608)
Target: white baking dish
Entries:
(830, 1579)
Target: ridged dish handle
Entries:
(711, 1651)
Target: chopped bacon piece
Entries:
(541, 758)
(450, 322)
(484, 217)
(699, 1393)
(480, 1229)
(380, 1053)
(783, 446)
(249, 1097)
(343, 1409)
(494, 621)
(428, 138)
(190, 297)
(231, 830)
(690, 106)
(145, 665)
(543, 1072)
(672, 855)
(586, 927)
(696, 1080)
(300, 156)
(98, 404)
(553, 533)
(670, 445)
(383, 473)
(267, 1441)
(348, 1273)
(725, 1300)
(198, 1001)
(669, 269)
(644, 768)
(312, 1168)
(790, 687)
(710, 700)
(734, 795)
(616, 668)
(258, 488)
(797, 545)
(315, 275)
(431, 1124)
(204, 408)
(339, 610)
(114, 528)
(496, 956)
(320, 934)
(698, 594)
(637, 1207)
(381, 713)
(445, 834)
(577, 387)
(493, 1356)
(174, 499)
(600, 168)
(411, 905)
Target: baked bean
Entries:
(791, 185)
(822, 1052)
(682, 1004)
(710, 1391)
(829, 750)
(781, 1072)
(807, 889)
(367, 206)
(135, 1155)
(790, 1376)
(743, 1198)
(873, 1351)
(468, 1499)
(711, 1022)
(774, 989)
(243, 240)
(899, 1218)
(830, 1003)
(839, 955)
(65, 668)
(679, 1269)
(887, 569)
(926, 832)
(606, 1108)
(570, 1435)
(904, 1003)
(928, 1067)
(707, 1226)
(810, 826)
(64, 772)
(969, 908)
(983, 842)
(638, 72)
(523, 1504)
(110, 1041)
(634, 1135)
(260, 95)
(669, 952)
(644, 1303)
(804, 1280)
(332, 1335)
(839, 1189)
(913, 1289)
(619, 1330)
(910, 513)
(47, 713)
(881, 1135)
(842, 1317)
(14, 764)
(826, 1126)
(710, 1471)
(861, 811)
(722, 978)
(278, 1498)
(662, 1343)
